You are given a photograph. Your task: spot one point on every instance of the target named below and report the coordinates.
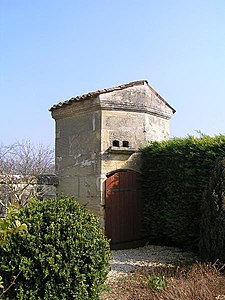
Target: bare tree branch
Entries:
(20, 165)
(11, 284)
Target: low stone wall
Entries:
(47, 185)
(21, 188)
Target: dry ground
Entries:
(178, 279)
(200, 282)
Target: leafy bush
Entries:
(175, 174)
(9, 225)
(157, 282)
(64, 255)
(212, 229)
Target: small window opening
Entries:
(116, 143)
(125, 144)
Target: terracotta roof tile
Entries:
(99, 92)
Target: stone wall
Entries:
(101, 132)
(77, 156)
(23, 188)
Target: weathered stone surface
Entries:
(86, 128)
(47, 179)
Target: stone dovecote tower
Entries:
(100, 133)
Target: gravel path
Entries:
(129, 260)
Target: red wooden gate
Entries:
(123, 207)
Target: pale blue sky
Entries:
(52, 50)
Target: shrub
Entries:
(157, 282)
(64, 255)
(175, 174)
(212, 229)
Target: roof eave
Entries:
(108, 90)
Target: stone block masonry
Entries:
(100, 132)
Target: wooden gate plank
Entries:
(123, 207)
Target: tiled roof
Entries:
(98, 92)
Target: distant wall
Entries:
(42, 186)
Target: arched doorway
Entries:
(123, 207)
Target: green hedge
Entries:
(63, 256)
(175, 174)
(212, 226)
